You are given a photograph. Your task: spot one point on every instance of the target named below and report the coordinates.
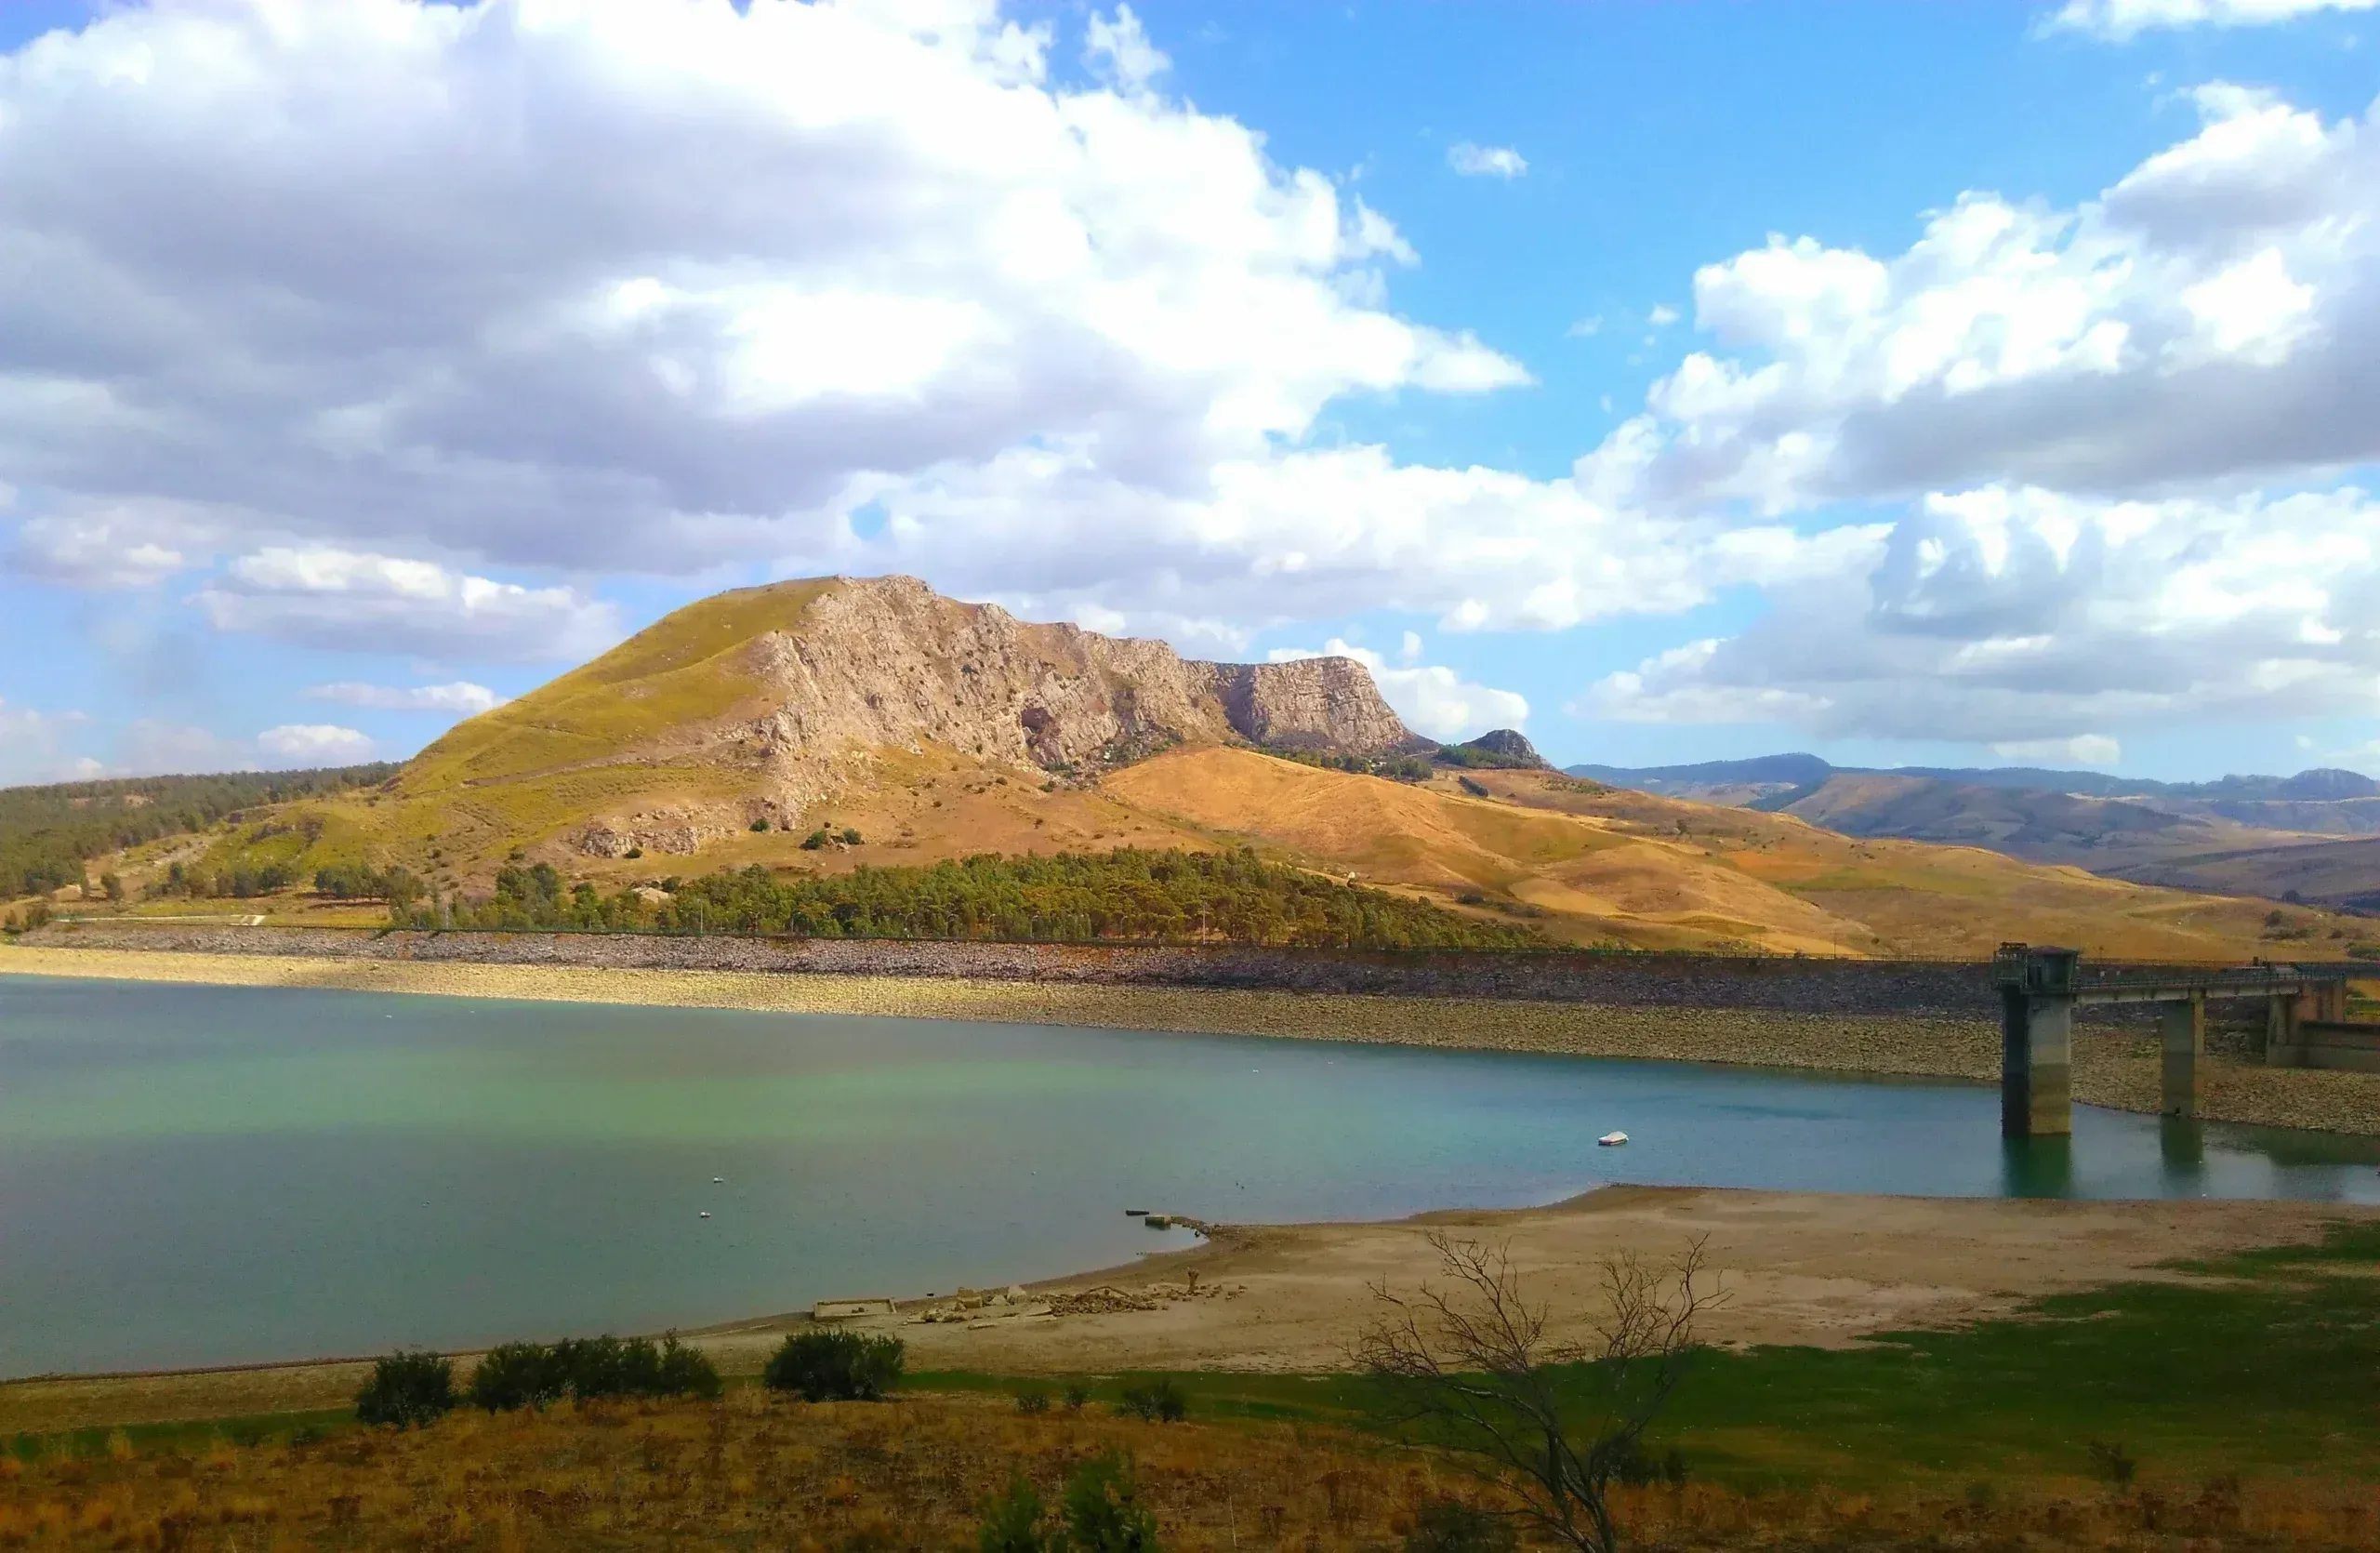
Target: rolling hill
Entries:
(823, 725)
(2280, 837)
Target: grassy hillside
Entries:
(616, 776)
(50, 835)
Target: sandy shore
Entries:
(1798, 1268)
(2113, 1069)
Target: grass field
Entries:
(2244, 1390)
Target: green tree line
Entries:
(47, 833)
(1126, 895)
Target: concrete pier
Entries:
(2040, 989)
(2184, 1025)
(2037, 1043)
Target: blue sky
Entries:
(317, 402)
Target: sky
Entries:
(1974, 384)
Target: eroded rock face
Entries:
(1314, 703)
(888, 661)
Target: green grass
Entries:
(2264, 1364)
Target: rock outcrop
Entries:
(800, 681)
(1507, 748)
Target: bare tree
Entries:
(1470, 1367)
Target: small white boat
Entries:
(1611, 1140)
(706, 1212)
(719, 1180)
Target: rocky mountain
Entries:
(777, 699)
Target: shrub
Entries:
(815, 840)
(1159, 1401)
(519, 1374)
(533, 1374)
(1033, 1403)
(1103, 1511)
(1451, 1526)
(836, 1366)
(762, 824)
(2112, 1462)
(849, 837)
(407, 1390)
(1013, 1521)
(1077, 1393)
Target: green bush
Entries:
(407, 1390)
(1159, 1401)
(533, 1374)
(762, 824)
(1103, 1511)
(836, 1366)
(519, 1374)
(1077, 1393)
(1013, 1521)
(1451, 1526)
(1034, 1402)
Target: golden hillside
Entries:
(725, 734)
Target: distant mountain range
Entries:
(2286, 837)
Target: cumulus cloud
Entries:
(2121, 20)
(358, 602)
(1433, 699)
(132, 543)
(1476, 161)
(462, 697)
(732, 270)
(34, 745)
(2024, 618)
(2214, 315)
(304, 744)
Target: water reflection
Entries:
(2037, 1167)
(2181, 1143)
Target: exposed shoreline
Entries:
(1813, 1269)
(2114, 1066)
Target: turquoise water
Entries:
(199, 1175)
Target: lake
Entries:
(208, 1174)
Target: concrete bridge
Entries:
(2040, 988)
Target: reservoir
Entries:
(210, 1174)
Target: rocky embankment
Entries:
(1851, 1016)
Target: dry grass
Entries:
(757, 1472)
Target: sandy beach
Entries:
(2112, 1068)
(1809, 1268)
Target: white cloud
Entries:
(307, 744)
(356, 601)
(1587, 327)
(2121, 20)
(1118, 49)
(111, 543)
(2210, 317)
(731, 267)
(2082, 750)
(1475, 161)
(2028, 617)
(461, 697)
(1663, 316)
(1434, 700)
(1317, 534)
(34, 745)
